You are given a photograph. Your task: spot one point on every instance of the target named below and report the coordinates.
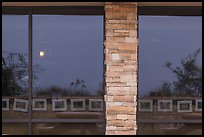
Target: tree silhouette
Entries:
(15, 74)
(189, 76)
(71, 86)
(77, 83)
(101, 91)
(83, 86)
(79, 87)
(164, 90)
(53, 91)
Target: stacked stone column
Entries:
(121, 67)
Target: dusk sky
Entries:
(73, 47)
(162, 39)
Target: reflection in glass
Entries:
(169, 129)
(67, 61)
(198, 105)
(42, 53)
(78, 104)
(59, 104)
(164, 105)
(68, 129)
(39, 104)
(170, 56)
(14, 67)
(69, 50)
(14, 129)
(170, 74)
(14, 55)
(5, 104)
(20, 105)
(95, 105)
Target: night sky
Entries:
(73, 47)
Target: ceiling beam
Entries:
(98, 4)
(170, 4)
(52, 4)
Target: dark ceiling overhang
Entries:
(97, 8)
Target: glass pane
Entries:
(14, 66)
(170, 75)
(169, 129)
(14, 129)
(67, 129)
(68, 51)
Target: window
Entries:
(69, 51)
(67, 64)
(170, 74)
(15, 66)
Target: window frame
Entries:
(51, 10)
(165, 11)
(86, 10)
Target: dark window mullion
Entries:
(30, 75)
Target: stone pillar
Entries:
(121, 45)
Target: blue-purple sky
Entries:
(73, 47)
(162, 39)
